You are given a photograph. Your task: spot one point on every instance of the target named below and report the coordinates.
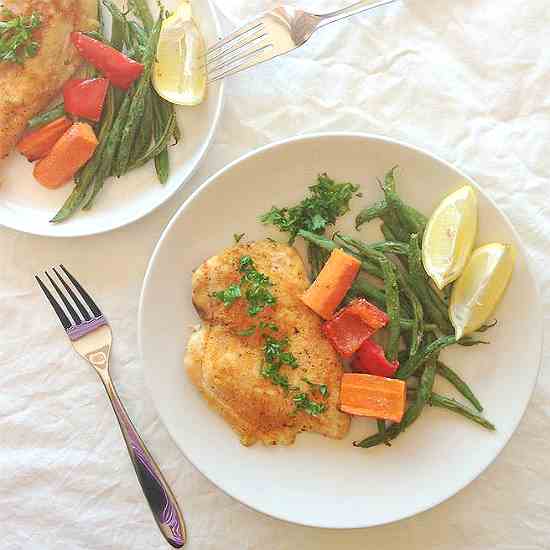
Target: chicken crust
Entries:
(226, 367)
(26, 90)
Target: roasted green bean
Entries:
(45, 118)
(423, 355)
(462, 387)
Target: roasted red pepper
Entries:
(117, 67)
(370, 359)
(85, 97)
(346, 332)
(374, 317)
(352, 325)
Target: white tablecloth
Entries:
(467, 79)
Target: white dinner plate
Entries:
(318, 481)
(27, 206)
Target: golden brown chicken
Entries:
(227, 366)
(27, 89)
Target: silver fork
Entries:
(90, 335)
(274, 33)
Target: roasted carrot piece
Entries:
(37, 144)
(332, 283)
(374, 396)
(72, 151)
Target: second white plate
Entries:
(317, 481)
(27, 206)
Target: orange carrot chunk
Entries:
(73, 150)
(332, 283)
(374, 396)
(37, 144)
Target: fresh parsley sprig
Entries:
(327, 201)
(16, 36)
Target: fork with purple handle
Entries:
(90, 335)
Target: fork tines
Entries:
(76, 318)
(237, 51)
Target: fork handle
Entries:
(161, 500)
(354, 9)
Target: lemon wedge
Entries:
(179, 75)
(449, 236)
(479, 289)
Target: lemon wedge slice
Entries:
(449, 236)
(179, 75)
(479, 289)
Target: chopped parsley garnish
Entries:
(272, 373)
(237, 237)
(247, 332)
(16, 41)
(327, 201)
(276, 356)
(257, 285)
(304, 403)
(230, 295)
(255, 288)
(321, 388)
(275, 352)
(253, 284)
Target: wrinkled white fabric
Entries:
(467, 79)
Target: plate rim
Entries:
(202, 154)
(313, 136)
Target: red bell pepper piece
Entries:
(352, 325)
(370, 359)
(117, 67)
(346, 332)
(374, 317)
(85, 97)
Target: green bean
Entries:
(102, 168)
(391, 247)
(97, 36)
(142, 11)
(381, 427)
(49, 116)
(139, 32)
(392, 307)
(119, 25)
(137, 106)
(423, 355)
(100, 21)
(163, 114)
(410, 223)
(370, 213)
(317, 259)
(468, 342)
(158, 147)
(453, 405)
(146, 130)
(389, 235)
(73, 202)
(417, 330)
(451, 376)
(417, 280)
(364, 289)
(108, 115)
(367, 266)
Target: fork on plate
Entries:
(90, 335)
(274, 33)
